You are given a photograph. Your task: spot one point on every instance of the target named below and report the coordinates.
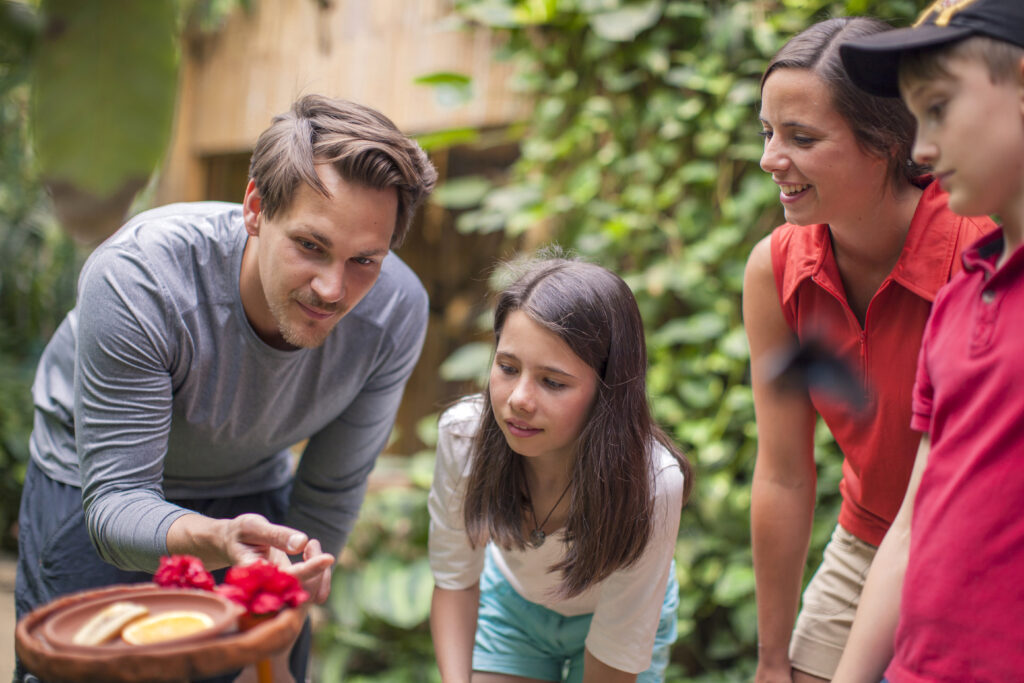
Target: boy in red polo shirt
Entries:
(944, 600)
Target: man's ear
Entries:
(251, 206)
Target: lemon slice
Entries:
(167, 626)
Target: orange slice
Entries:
(167, 626)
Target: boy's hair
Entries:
(362, 144)
(927, 64)
(875, 63)
(611, 492)
(882, 127)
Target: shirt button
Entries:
(988, 296)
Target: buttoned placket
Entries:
(989, 299)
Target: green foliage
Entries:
(380, 597)
(37, 287)
(83, 87)
(641, 154)
(104, 93)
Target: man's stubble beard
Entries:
(294, 334)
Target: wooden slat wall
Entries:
(369, 51)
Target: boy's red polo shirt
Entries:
(962, 611)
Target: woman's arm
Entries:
(870, 646)
(596, 671)
(783, 490)
(453, 616)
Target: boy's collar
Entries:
(873, 62)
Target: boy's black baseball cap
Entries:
(873, 62)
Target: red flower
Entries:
(183, 571)
(262, 588)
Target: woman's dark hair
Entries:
(611, 493)
(362, 144)
(882, 126)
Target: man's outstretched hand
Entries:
(249, 537)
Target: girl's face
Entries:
(541, 392)
(812, 154)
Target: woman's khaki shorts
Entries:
(829, 605)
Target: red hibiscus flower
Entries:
(262, 588)
(183, 571)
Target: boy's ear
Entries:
(251, 206)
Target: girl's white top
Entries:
(626, 606)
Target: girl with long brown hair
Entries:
(556, 498)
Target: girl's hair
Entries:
(611, 493)
(882, 126)
(1002, 59)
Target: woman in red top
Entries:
(868, 242)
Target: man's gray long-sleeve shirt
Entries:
(156, 386)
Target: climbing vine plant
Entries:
(641, 153)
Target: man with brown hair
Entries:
(209, 338)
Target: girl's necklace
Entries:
(537, 536)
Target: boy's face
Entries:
(971, 132)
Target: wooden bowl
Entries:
(60, 629)
(43, 638)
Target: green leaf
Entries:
(443, 78)
(693, 329)
(462, 193)
(735, 584)
(397, 592)
(627, 22)
(451, 137)
(450, 89)
(469, 362)
(492, 13)
(676, 9)
(104, 90)
(530, 12)
(426, 429)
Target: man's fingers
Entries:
(325, 586)
(316, 577)
(314, 566)
(255, 530)
(314, 573)
(312, 549)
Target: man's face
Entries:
(305, 268)
(970, 130)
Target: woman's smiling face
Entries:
(812, 154)
(541, 392)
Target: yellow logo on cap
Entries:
(943, 11)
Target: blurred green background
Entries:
(640, 153)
